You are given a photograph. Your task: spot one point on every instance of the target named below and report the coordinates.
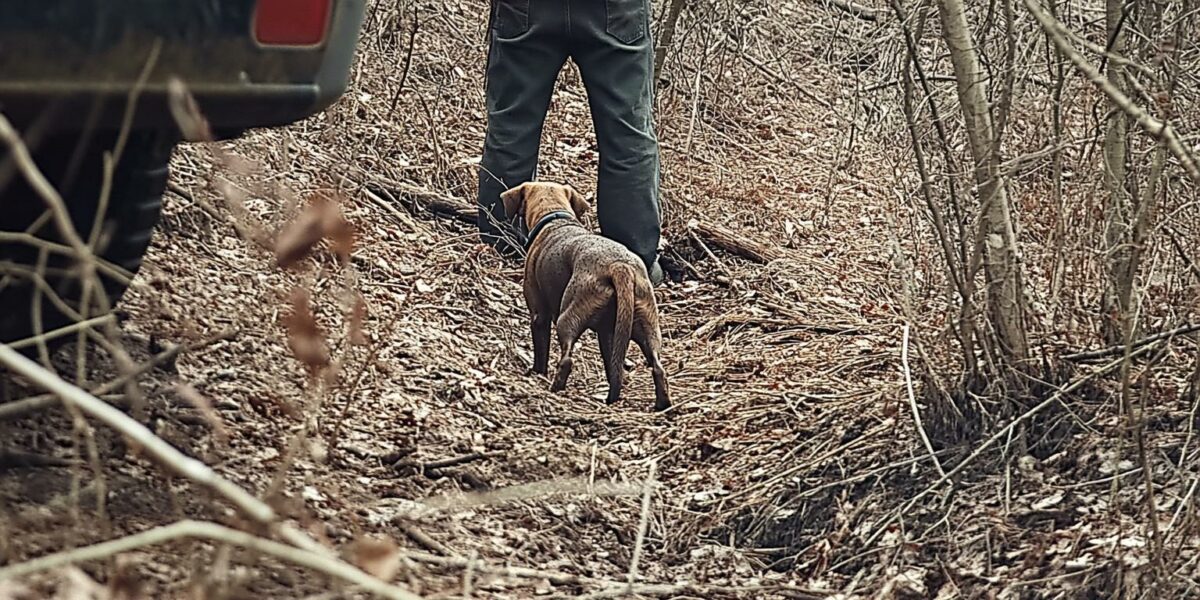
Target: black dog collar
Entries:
(542, 223)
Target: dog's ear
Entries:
(514, 201)
(579, 204)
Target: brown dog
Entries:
(578, 280)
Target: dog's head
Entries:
(536, 199)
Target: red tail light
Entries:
(291, 22)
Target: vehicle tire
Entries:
(75, 166)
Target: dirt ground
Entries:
(790, 439)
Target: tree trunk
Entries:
(957, 276)
(1118, 293)
(664, 37)
(1059, 76)
(1002, 269)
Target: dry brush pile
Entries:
(877, 335)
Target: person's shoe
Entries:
(656, 274)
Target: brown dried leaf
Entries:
(192, 124)
(379, 557)
(298, 238)
(321, 219)
(333, 374)
(358, 318)
(304, 335)
(340, 233)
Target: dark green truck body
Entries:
(69, 61)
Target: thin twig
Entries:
(855, 10)
(19, 153)
(765, 70)
(91, 323)
(912, 402)
(469, 575)
(441, 463)
(1119, 348)
(611, 589)
(20, 408)
(643, 524)
(212, 211)
(412, 42)
(323, 563)
(1162, 130)
(181, 464)
(424, 540)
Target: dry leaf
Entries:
(338, 230)
(304, 335)
(192, 124)
(298, 238)
(322, 219)
(379, 557)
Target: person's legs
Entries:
(527, 51)
(611, 45)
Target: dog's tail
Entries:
(623, 280)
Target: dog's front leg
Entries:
(541, 343)
(541, 319)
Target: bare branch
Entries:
(218, 533)
(164, 453)
(1000, 434)
(1154, 127)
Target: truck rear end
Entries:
(250, 63)
(74, 74)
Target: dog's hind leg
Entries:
(648, 337)
(568, 334)
(577, 315)
(614, 375)
(541, 321)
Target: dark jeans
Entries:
(610, 42)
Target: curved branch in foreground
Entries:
(218, 533)
(183, 465)
(1160, 130)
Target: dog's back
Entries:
(574, 252)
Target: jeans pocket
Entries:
(511, 18)
(626, 19)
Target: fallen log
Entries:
(734, 243)
(855, 10)
(419, 199)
